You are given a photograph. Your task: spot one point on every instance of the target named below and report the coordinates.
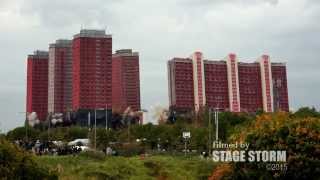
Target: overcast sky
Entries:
(287, 30)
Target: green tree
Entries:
(307, 112)
(299, 137)
(21, 133)
(18, 164)
(104, 137)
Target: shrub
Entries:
(18, 164)
(129, 149)
(298, 136)
(97, 155)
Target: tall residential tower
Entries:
(60, 77)
(125, 80)
(92, 70)
(37, 84)
(227, 84)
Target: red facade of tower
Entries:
(181, 91)
(92, 70)
(60, 77)
(37, 84)
(216, 84)
(125, 80)
(229, 85)
(280, 89)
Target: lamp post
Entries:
(216, 118)
(89, 121)
(49, 124)
(106, 117)
(210, 136)
(95, 129)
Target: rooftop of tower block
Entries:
(223, 61)
(92, 33)
(178, 59)
(39, 54)
(207, 61)
(61, 43)
(248, 63)
(125, 52)
(278, 63)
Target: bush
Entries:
(20, 133)
(18, 164)
(97, 155)
(298, 136)
(129, 149)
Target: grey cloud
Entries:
(288, 30)
(219, 2)
(62, 13)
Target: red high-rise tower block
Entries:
(37, 84)
(180, 79)
(125, 80)
(229, 85)
(60, 77)
(92, 70)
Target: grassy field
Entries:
(153, 167)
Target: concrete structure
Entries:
(92, 70)
(60, 77)
(125, 80)
(228, 84)
(233, 83)
(266, 81)
(181, 86)
(216, 80)
(279, 85)
(198, 80)
(250, 86)
(37, 84)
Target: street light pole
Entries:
(216, 117)
(95, 129)
(49, 124)
(185, 147)
(26, 126)
(89, 121)
(106, 117)
(210, 128)
(217, 122)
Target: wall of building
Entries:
(233, 82)
(280, 88)
(250, 87)
(216, 84)
(37, 84)
(229, 85)
(181, 86)
(125, 81)
(92, 70)
(60, 77)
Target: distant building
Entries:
(227, 84)
(181, 90)
(125, 80)
(92, 70)
(37, 84)
(60, 77)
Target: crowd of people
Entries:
(48, 147)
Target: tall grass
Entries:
(154, 167)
